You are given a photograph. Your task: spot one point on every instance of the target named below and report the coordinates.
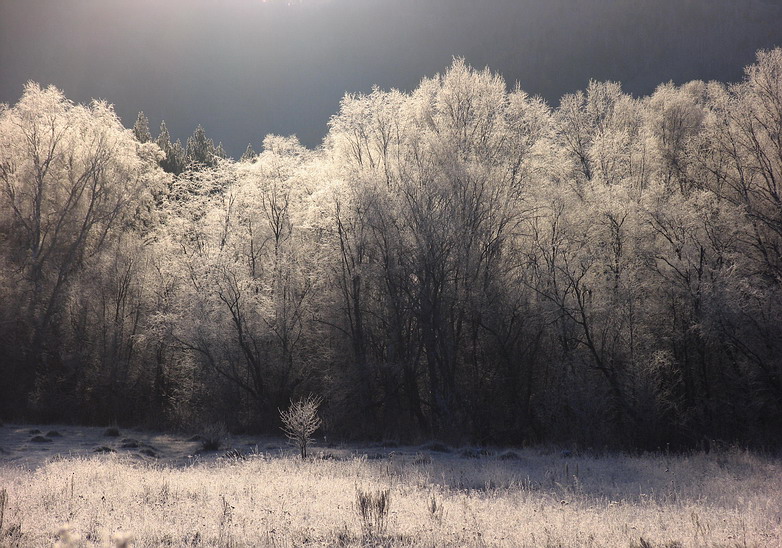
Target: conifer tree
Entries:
(200, 149)
(249, 154)
(175, 161)
(141, 128)
(163, 138)
(220, 151)
(178, 158)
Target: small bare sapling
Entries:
(300, 421)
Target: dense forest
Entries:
(462, 261)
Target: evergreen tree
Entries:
(163, 138)
(220, 151)
(164, 142)
(141, 128)
(178, 158)
(175, 161)
(200, 149)
(249, 154)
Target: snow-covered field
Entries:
(85, 488)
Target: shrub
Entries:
(300, 421)
(214, 436)
(372, 508)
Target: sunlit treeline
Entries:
(462, 261)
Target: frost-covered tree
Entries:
(71, 177)
(436, 189)
(300, 421)
(164, 138)
(459, 260)
(200, 149)
(249, 154)
(234, 229)
(220, 151)
(175, 159)
(141, 128)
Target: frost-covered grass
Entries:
(530, 498)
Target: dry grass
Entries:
(730, 499)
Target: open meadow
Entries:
(85, 488)
(546, 232)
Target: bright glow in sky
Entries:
(245, 68)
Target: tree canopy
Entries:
(461, 261)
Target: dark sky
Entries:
(245, 68)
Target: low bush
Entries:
(372, 508)
(214, 436)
